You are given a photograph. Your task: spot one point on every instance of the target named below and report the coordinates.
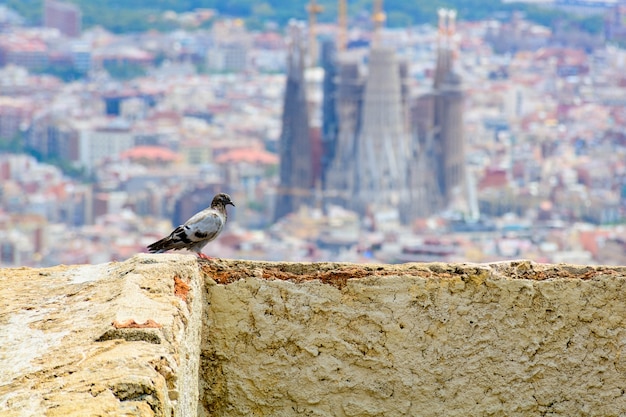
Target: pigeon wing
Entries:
(200, 229)
(204, 226)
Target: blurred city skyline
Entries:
(475, 134)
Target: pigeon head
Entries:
(222, 199)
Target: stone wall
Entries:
(170, 335)
(415, 340)
(119, 339)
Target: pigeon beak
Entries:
(231, 203)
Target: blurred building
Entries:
(517, 34)
(80, 54)
(615, 23)
(66, 17)
(231, 46)
(15, 114)
(382, 142)
(119, 56)
(385, 151)
(448, 113)
(438, 179)
(21, 238)
(296, 164)
(342, 124)
(28, 52)
(52, 136)
(97, 144)
(330, 124)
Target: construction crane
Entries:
(313, 9)
(378, 18)
(342, 25)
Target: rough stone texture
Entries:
(170, 335)
(515, 339)
(118, 339)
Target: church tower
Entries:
(296, 167)
(448, 112)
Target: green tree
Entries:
(124, 70)
(140, 15)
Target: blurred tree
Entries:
(141, 15)
(124, 70)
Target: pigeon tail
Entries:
(161, 246)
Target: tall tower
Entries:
(296, 167)
(426, 193)
(371, 152)
(338, 98)
(329, 110)
(448, 117)
(342, 25)
(313, 10)
(378, 20)
(445, 45)
(382, 147)
(349, 82)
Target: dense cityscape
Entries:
(348, 140)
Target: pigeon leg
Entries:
(203, 256)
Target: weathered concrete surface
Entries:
(60, 354)
(237, 338)
(514, 339)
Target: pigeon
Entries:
(199, 230)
